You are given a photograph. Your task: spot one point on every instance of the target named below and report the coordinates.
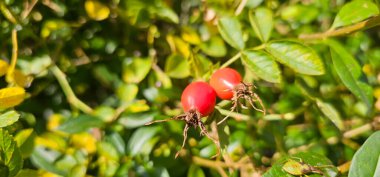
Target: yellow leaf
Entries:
(96, 10)
(21, 79)
(182, 47)
(84, 141)
(3, 67)
(11, 96)
(189, 35)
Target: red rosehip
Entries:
(224, 82)
(228, 85)
(199, 96)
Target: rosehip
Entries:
(228, 85)
(198, 100)
(199, 96)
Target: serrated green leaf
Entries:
(136, 69)
(80, 124)
(262, 22)
(195, 171)
(366, 161)
(176, 66)
(349, 72)
(297, 56)
(8, 118)
(10, 156)
(230, 29)
(355, 11)
(331, 113)
(263, 65)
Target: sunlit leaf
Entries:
(136, 69)
(297, 56)
(190, 35)
(11, 96)
(96, 10)
(8, 118)
(262, 22)
(10, 156)
(355, 11)
(25, 141)
(366, 160)
(167, 14)
(230, 29)
(263, 65)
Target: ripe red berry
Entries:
(199, 96)
(224, 81)
(228, 85)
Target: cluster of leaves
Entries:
(79, 79)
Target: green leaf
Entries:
(263, 65)
(44, 159)
(10, 156)
(139, 138)
(28, 173)
(133, 120)
(127, 92)
(230, 29)
(176, 66)
(80, 124)
(214, 47)
(25, 141)
(8, 118)
(312, 159)
(167, 14)
(195, 171)
(366, 161)
(262, 22)
(117, 141)
(331, 113)
(349, 72)
(355, 11)
(297, 56)
(300, 13)
(136, 69)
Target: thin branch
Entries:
(241, 6)
(231, 60)
(7, 13)
(10, 75)
(28, 9)
(369, 23)
(70, 95)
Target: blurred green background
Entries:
(95, 71)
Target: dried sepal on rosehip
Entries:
(198, 100)
(228, 85)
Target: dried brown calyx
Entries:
(192, 118)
